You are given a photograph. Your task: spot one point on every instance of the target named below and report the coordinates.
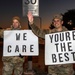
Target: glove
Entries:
(20, 56)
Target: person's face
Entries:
(16, 23)
(57, 23)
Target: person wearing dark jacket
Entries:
(63, 69)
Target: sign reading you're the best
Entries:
(60, 48)
(18, 42)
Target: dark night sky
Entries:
(47, 8)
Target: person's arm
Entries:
(35, 29)
(39, 32)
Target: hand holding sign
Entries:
(20, 56)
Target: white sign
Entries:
(18, 42)
(60, 48)
(31, 5)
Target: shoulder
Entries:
(8, 28)
(64, 28)
(53, 30)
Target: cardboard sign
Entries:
(18, 42)
(60, 48)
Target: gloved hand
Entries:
(20, 56)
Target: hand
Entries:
(20, 56)
(30, 17)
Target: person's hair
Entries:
(17, 18)
(58, 16)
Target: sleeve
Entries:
(39, 32)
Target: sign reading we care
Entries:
(60, 48)
(22, 42)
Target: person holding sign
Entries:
(13, 63)
(64, 69)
